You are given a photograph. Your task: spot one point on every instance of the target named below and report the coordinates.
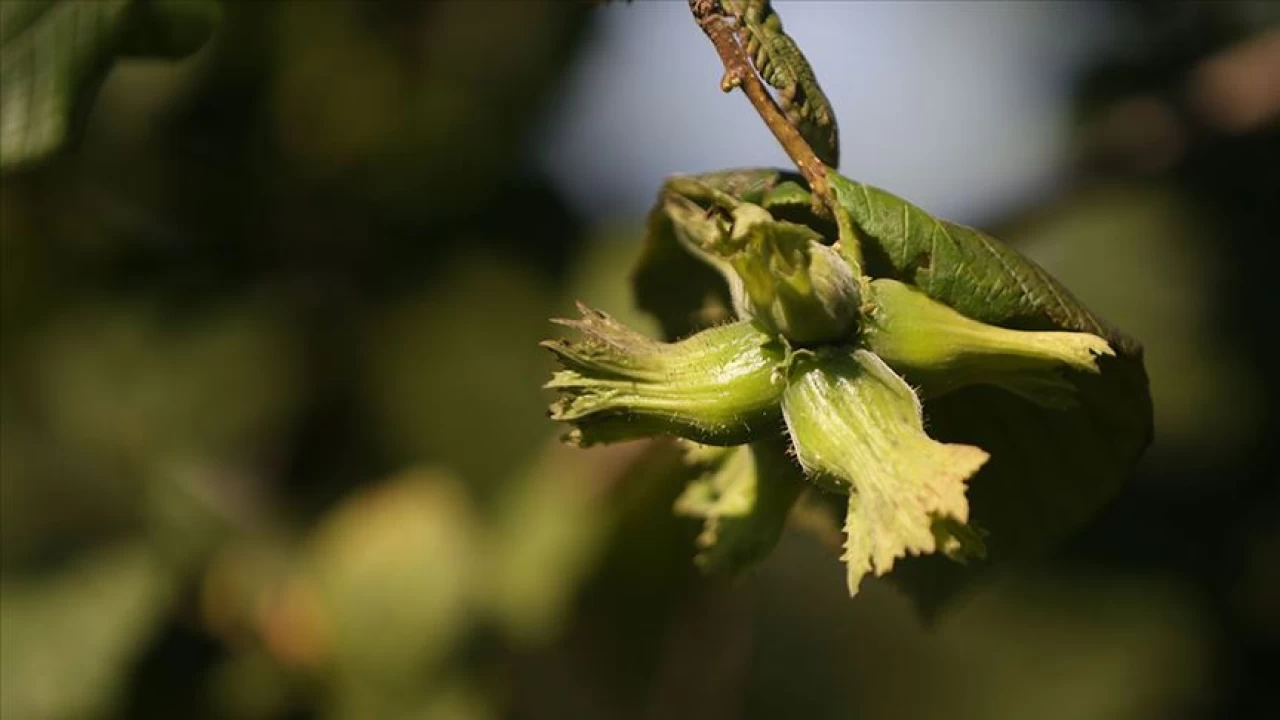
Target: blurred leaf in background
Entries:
(1035, 644)
(388, 579)
(1158, 278)
(456, 378)
(54, 53)
(71, 637)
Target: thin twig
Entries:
(740, 73)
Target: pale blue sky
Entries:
(959, 106)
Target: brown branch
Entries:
(738, 72)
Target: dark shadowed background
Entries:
(272, 438)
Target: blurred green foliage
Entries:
(272, 443)
(70, 637)
(54, 53)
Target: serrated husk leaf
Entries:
(857, 426)
(795, 286)
(725, 486)
(744, 495)
(716, 387)
(672, 280)
(776, 272)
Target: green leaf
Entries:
(965, 268)
(1051, 469)
(54, 53)
(48, 51)
(781, 63)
